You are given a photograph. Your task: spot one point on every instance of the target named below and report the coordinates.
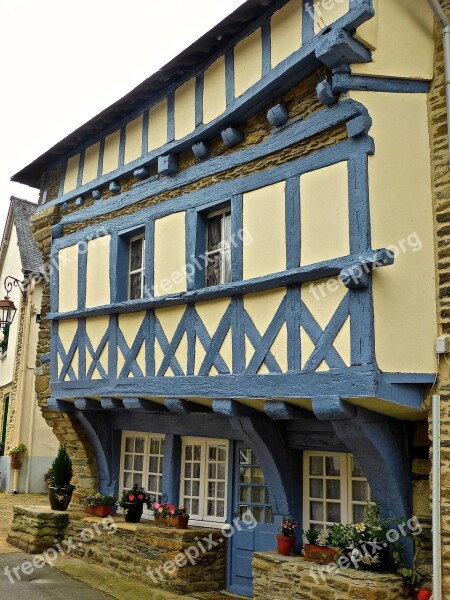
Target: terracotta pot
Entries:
(132, 511)
(59, 498)
(178, 522)
(161, 521)
(103, 510)
(285, 543)
(16, 464)
(322, 555)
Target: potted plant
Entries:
(286, 537)
(132, 503)
(169, 515)
(325, 546)
(98, 504)
(47, 477)
(16, 455)
(60, 489)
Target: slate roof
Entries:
(31, 258)
(186, 61)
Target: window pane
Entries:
(212, 471)
(356, 469)
(221, 490)
(153, 481)
(226, 266)
(137, 478)
(221, 471)
(136, 254)
(211, 508)
(128, 465)
(154, 464)
(138, 463)
(154, 446)
(245, 456)
(333, 489)
(187, 488)
(333, 512)
(188, 470)
(269, 515)
(211, 489)
(222, 454)
(258, 495)
(197, 453)
(360, 491)
(316, 511)
(358, 513)
(135, 286)
(245, 475)
(195, 507)
(127, 480)
(213, 269)
(258, 513)
(333, 466)
(244, 493)
(220, 508)
(196, 488)
(258, 476)
(212, 453)
(139, 448)
(129, 445)
(316, 488)
(188, 452)
(214, 235)
(316, 465)
(196, 472)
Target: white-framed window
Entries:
(136, 267)
(335, 489)
(204, 478)
(218, 247)
(141, 462)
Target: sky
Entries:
(63, 61)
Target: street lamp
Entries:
(7, 307)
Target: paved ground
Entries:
(71, 577)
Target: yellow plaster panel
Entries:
(97, 272)
(71, 178)
(66, 331)
(329, 11)
(286, 31)
(261, 308)
(157, 125)
(170, 254)
(96, 328)
(214, 93)
(68, 278)
(324, 209)
(211, 314)
(111, 153)
(405, 43)
(90, 166)
(266, 250)
(169, 319)
(133, 140)
(402, 220)
(129, 325)
(247, 63)
(322, 299)
(185, 109)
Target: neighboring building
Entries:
(21, 419)
(243, 309)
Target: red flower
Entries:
(131, 497)
(140, 497)
(424, 595)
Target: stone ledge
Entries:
(279, 577)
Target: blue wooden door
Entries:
(254, 528)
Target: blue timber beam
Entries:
(184, 407)
(332, 408)
(232, 408)
(171, 468)
(142, 405)
(87, 404)
(336, 48)
(111, 404)
(283, 411)
(60, 405)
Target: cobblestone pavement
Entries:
(7, 502)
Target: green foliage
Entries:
(17, 450)
(136, 495)
(61, 470)
(98, 500)
(311, 535)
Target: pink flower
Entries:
(160, 509)
(156, 505)
(140, 497)
(172, 510)
(131, 497)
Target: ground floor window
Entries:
(204, 478)
(141, 461)
(335, 490)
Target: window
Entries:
(252, 491)
(335, 490)
(141, 461)
(136, 268)
(218, 248)
(4, 339)
(4, 424)
(204, 478)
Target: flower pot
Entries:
(322, 555)
(132, 511)
(103, 510)
(177, 522)
(59, 498)
(161, 521)
(16, 464)
(285, 544)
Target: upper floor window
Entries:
(335, 490)
(218, 247)
(136, 268)
(4, 335)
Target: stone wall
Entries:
(157, 556)
(441, 206)
(290, 577)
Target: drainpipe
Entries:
(21, 387)
(445, 22)
(436, 495)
